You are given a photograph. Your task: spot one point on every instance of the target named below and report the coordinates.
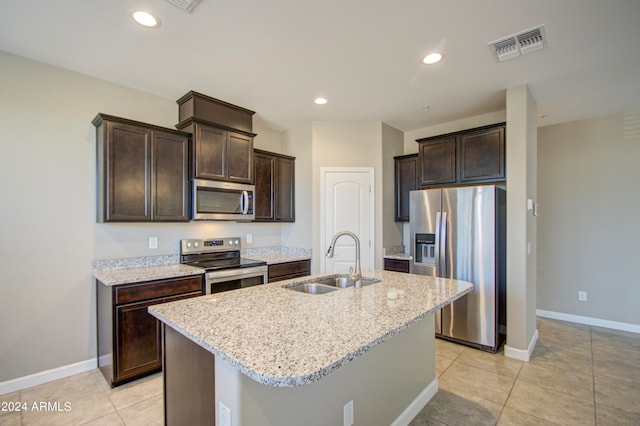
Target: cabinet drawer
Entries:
(396, 265)
(283, 271)
(153, 289)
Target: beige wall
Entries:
(347, 144)
(392, 146)
(588, 229)
(297, 142)
(48, 233)
(521, 224)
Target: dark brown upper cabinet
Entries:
(471, 156)
(482, 155)
(406, 180)
(219, 153)
(437, 161)
(142, 171)
(274, 198)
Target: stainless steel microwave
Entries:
(212, 200)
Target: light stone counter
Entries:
(396, 252)
(398, 256)
(138, 269)
(280, 337)
(274, 255)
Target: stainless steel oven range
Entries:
(220, 258)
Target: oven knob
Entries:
(188, 245)
(196, 244)
(237, 242)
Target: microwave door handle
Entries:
(245, 202)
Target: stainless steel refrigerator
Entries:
(460, 233)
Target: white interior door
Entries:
(347, 205)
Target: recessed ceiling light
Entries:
(320, 101)
(432, 58)
(145, 18)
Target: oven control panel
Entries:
(209, 245)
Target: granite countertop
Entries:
(396, 252)
(149, 268)
(398, 256)
(280, 337)
(144, 273)
(273, 255)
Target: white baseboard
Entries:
(47, 376)
(615, 325)
(417, 405)
(522, 354)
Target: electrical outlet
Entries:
(153, 242)
(347, 413)
(249, 238)
(582, 296)
(224, 415)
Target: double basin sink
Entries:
(327, 284)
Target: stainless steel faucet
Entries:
(355, 277)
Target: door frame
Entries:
(323, 244)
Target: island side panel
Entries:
(389, 384)
(189, 381)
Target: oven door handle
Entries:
(220, 276)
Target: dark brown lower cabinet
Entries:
(288, 270)
(396, 265)
(129, 338)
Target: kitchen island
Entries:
(271, 355)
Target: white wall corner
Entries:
(522, 354)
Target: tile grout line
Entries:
(513, 385)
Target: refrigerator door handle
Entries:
(442, 254)
(437, 248)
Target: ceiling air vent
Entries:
(518, 44)
(187, 5)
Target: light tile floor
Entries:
(579, 375)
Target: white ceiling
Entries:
(276, 56)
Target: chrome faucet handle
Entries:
(355, 278)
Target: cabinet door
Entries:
(284, 190)
(288, 270)
(263, 200)
(482, 155)
(127, 173)
(406, 180)
(437, 159)
(169, 180)
(396, 265)
(210, 152)
(138, 340)
(239, 158)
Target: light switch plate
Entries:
(153, 242)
